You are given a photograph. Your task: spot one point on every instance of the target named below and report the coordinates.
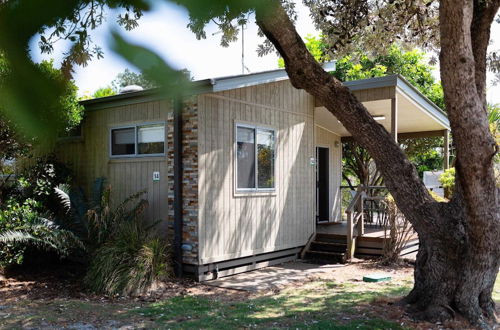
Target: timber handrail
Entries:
(355, 217)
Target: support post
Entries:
(446, 150)
(350, 237)
(178, 220)
(361, 221)
(394, 118)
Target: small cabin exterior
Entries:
(244, 170)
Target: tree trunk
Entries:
(459, 252)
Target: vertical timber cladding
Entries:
(234, 225)
(90, 158)
(189, 177)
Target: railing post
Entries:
(350, 241)
(361, 221)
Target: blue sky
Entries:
(164, 30)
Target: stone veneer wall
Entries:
(190, 177)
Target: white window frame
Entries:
(136, 154)
(255, 127)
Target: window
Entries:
(255, 150)
(123, 141)
(139, 140)
(150, 139)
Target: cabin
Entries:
(246, 171)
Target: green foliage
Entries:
(411, 65)
(39, 180)
(426, 160)
(103, 92)
(28, 220)
(447, 180)
(128, 262)
(59, 115)
(360, 65)
(316, 47)
(22, 226)
(12, 145)
(127, 78)
(494, 120)
(125, 256)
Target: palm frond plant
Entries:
(21, 226)
(125, 256)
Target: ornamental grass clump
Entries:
(127, 257)
(129, 263)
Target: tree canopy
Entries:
(62, 116)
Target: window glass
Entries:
(123, 141)
(245, 162)
(151, 139)
(265, 158)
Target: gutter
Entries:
(178, 174)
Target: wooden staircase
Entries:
(327, 249)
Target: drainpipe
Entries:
(178, 218)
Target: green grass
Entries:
(318, 305)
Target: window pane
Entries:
(123, 141)
(245, 162)
(151, 139)
(265, 154)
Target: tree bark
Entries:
(459, 252)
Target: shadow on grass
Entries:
(319, 305)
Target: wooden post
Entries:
(350, 236)
(394, 118)
(446, 150)
(361, 221)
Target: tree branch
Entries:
(305, 73)
(483, 16)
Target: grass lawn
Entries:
(315, 305)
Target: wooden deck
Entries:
(340, 228)
(370, 244)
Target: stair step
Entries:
(326, 256)
(330, 243)
(328, 253)
(328, 246)
(329, 238)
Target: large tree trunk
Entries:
(459, 252)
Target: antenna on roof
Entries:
(243, 67)
(242, 24)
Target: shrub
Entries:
(447, 180)
(22, 226)
(40, 180)
(125, 256)
(129, 263)
(397, 231)
(94, 219)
